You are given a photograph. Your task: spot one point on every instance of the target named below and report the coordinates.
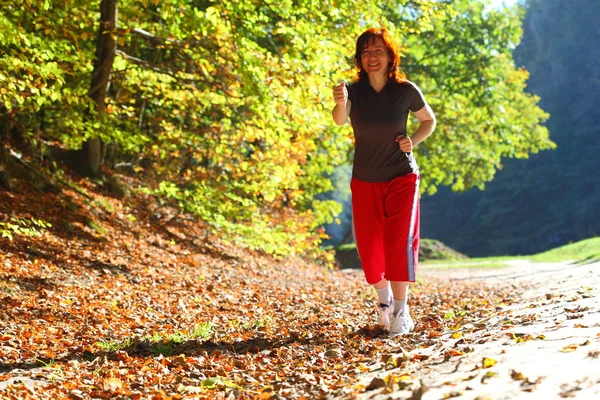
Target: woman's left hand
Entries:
(404, 143)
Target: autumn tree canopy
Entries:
(223, 108)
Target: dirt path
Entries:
(545, 347)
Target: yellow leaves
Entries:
(363, 368)
(573, 347)
(524, 337)
(488, 375)
(570, 348)
(488, 362)
(456, 335)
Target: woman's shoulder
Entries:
(405, 83)
(410, 87)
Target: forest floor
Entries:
(125, 299)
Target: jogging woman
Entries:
(385, 175)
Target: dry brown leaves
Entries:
(112, 302)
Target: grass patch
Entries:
(432, 249)
(346, 247)
(584, 251)
(167, 345)
(114, 345)
(202, 331)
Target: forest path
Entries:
(546, 346)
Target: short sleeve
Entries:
(416, 100)
(351, 87)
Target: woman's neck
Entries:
(378, 81)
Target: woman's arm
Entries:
(426, 126)
(342, 104)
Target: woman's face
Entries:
(374, 58)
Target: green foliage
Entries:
(460, 56)
(552, 198)
(45, 67)
(168, 345)
(224, 107)
(30, 227)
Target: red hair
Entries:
(393, 50)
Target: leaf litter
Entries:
(130, 307)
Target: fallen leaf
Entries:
(488, 362)
(488, 375)
(570, 348)
(517, 376)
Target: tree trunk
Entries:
(90, 156)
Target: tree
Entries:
(106, 44)
(550, 199)
(459, 54)
(223, 108)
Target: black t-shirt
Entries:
(377, 118)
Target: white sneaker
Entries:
(384, 313)
(401, 324)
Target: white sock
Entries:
(384, 295)
(400, 307)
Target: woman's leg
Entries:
(401, 246)
(401, 229)
(400, 291)
(368, 220)
(368, 223)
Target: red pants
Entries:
(386, 227)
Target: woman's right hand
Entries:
(340, 94)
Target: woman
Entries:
(385, 175)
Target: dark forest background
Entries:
(552, 197)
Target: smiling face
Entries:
(374, 57)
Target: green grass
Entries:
(114, 345)
(584, 251)
(167, 345)
(346, 247)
